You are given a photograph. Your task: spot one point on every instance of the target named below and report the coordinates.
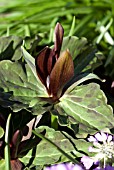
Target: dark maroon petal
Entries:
(16, 164)
(16, 139)
(51, 61)
(62, 72)
(41, 64)
(58, 39)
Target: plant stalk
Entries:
(7, 145)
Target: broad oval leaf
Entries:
(83, 53)
(47, 154)
(87, 105)
(25, 89)
(31, 63)
(74, 44)
(76, 80)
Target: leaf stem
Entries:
(7, 146)
(54, 123)
(72, 27)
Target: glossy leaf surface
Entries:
(87, 105)
(24, 87)
(83, 54)
(47, 154)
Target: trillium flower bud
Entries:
(54, 68)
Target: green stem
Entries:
(7, 146)
(72, 27)
(54, 123)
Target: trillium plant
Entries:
(55, 69)
(51, 104)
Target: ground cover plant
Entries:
(56, 90)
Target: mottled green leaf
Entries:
(48, 154)
(76, 80)
(31, 62)
(10, 48)
(74, 44)
(87, 105)
(67, 156)
(23, 85)
(83, 54)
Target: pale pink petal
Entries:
(109, 139)
(92, 139)
(76, 167)
(104, 136)
(66, 166)
(57, 167)
(106, 168)
(96, 144)
(63, 167)
(87, 162)
(99, 137)
(91, 149)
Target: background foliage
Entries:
(93, 19)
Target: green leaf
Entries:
(74, 44)
(2, 164)
(23, 85)
(81, 52)
(47, 154)
(86, 59)
(1, 132)
(72, 27)
(10, 48)
(70, 158)
(31, 62)
(77, 80)
(87, 105)
(31, 43)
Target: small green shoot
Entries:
(7, 147)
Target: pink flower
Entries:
(64, 166)
(88, 162)
(106, 168)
